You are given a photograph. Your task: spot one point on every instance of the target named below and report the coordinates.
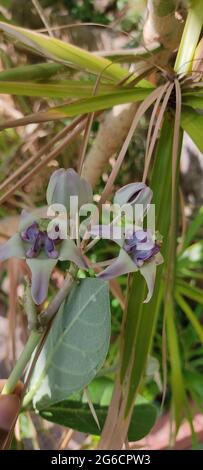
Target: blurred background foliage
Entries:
(16, 145)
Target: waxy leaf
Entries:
(76, 346)
(77, 415)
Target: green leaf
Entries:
(189, 291)
(193, 229)
(65, 53)
(192, 123)
(76, 346)
(101, 389)
(192, 29)
(141, 318)
(97, 103)
(73, 89)
(191, 316)
(194, 99)
(191, 258)
(62, 89)
(77, 415)
(177, 383)
(83, 106)
(31, 72)
(194, 380)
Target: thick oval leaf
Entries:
(77, 415)
(76, 346)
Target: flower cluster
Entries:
(139, 251)
(32, 241)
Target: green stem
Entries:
(33, 340)
(190, 37)
(24, 358)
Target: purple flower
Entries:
(141, 247)
(33, 243)
(138, 252)
(135, 256)
(39, 240)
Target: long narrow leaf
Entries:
(193, 229)
(63, 89)
(192, 123)
(31, 72)
(95, 103)
(141, 318)
(177, 384)
(191, 316)
(189, 291)
(63, 52)
(194, 100)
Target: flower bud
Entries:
(134, 193)
(66, 183)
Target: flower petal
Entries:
(50, 248)
(36, 247)
(146, 255)
(31, 233)
(66, 183)
(148, 271)
(29, 218)
(70, 252)
(134, 193)
(12, 248)
(41, 272)
(108, 232)
(122, 265)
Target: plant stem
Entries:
(24, 358)
(35, 336)
(190, 37)
(46, 316)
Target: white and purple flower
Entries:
(32, 241)
(42, 248)
(139, 251)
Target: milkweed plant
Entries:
(142, 224)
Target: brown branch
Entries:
(163, 24)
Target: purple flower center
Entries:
(141, 247)
(39, 241)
